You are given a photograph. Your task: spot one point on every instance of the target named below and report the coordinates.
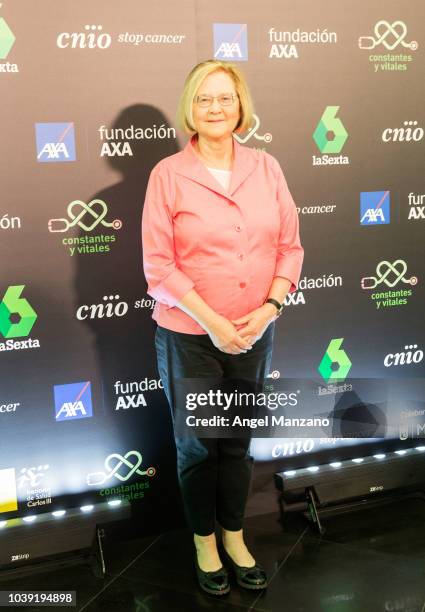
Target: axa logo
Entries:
(230, 41)
(7, 38)
(17, 316)
(330, 134)
(55, 142)
(335, 363)
(374, 207)
(73, 401)
(91, 38)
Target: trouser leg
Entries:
(235, 463)
(183, 356)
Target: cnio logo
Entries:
(376, 488)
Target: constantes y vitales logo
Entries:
(86, 217)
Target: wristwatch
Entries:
(275, 303)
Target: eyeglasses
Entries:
(223, 100)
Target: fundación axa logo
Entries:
(118, 141)
(388, 276)
(86, 217)
(330, 136)
(374, 207)
(285, 44)
(55, 142)
(7, 40)
(133, 394)
(73, 401)
(388, 36)
(416, 206)
(230, 41)
(17, 318)
(326, 281)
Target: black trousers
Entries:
(214, 473)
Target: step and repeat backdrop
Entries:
(88, 97)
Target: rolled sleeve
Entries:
(166, 283)
(290, 252)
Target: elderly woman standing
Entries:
(221, 250)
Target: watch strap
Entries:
(275, 303)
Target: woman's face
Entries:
(216, 121)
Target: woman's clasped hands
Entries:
(239, 335)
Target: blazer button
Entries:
(240, 255)
(238, 228)
(242, 285)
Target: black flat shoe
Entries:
(214, 583)
(254, 577)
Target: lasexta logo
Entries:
(13, 305)
(334, 356)
(55, 142)
(330, 134)
(73, 401)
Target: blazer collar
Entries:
(191, 166)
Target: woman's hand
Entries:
(255, 322)
(225, 337)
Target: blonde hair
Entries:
(184, 114)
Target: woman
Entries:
(221, 250)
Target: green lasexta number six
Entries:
(12, 303)
(329, 123)
(335, 354)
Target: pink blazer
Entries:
(228, 246)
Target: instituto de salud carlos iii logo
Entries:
(389, 36)
(55, 142)
(13, 306)
(330, 136)
(87, 217)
